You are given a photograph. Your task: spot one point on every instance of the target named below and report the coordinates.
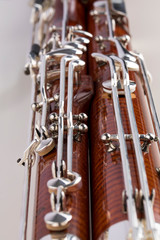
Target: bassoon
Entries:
(95, 134)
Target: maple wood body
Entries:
(78, 202)
(106, 168)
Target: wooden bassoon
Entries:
(95, 134)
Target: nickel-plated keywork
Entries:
(63, 120)
(133, 60)
(116, 67)
(147, 139)
(96, 155)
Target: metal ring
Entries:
(70, 184)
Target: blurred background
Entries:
(15, 92)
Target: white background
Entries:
(15, 35)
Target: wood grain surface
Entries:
(78, 202)
(106, 168)
(107, 182)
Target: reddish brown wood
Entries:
(106, 168)
(77, 203)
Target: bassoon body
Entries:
(124, 176)
(61, 142)
(103, 184)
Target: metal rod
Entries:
(69, 116)
(148, 209)
(28, 168)
(72, 65)
(63, 63)
(43, 90)
(122, 52)
(109, 21)
(150, 97)
(64, 21)
(131, 208)
(61, 115)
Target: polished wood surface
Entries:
(106, 168)
(78, 202)
(107, 180)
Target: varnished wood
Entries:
(106, 168)
(78, 202)
(107, 182)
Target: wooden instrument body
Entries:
(106, 168)
(107, 180)
(77, 204)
